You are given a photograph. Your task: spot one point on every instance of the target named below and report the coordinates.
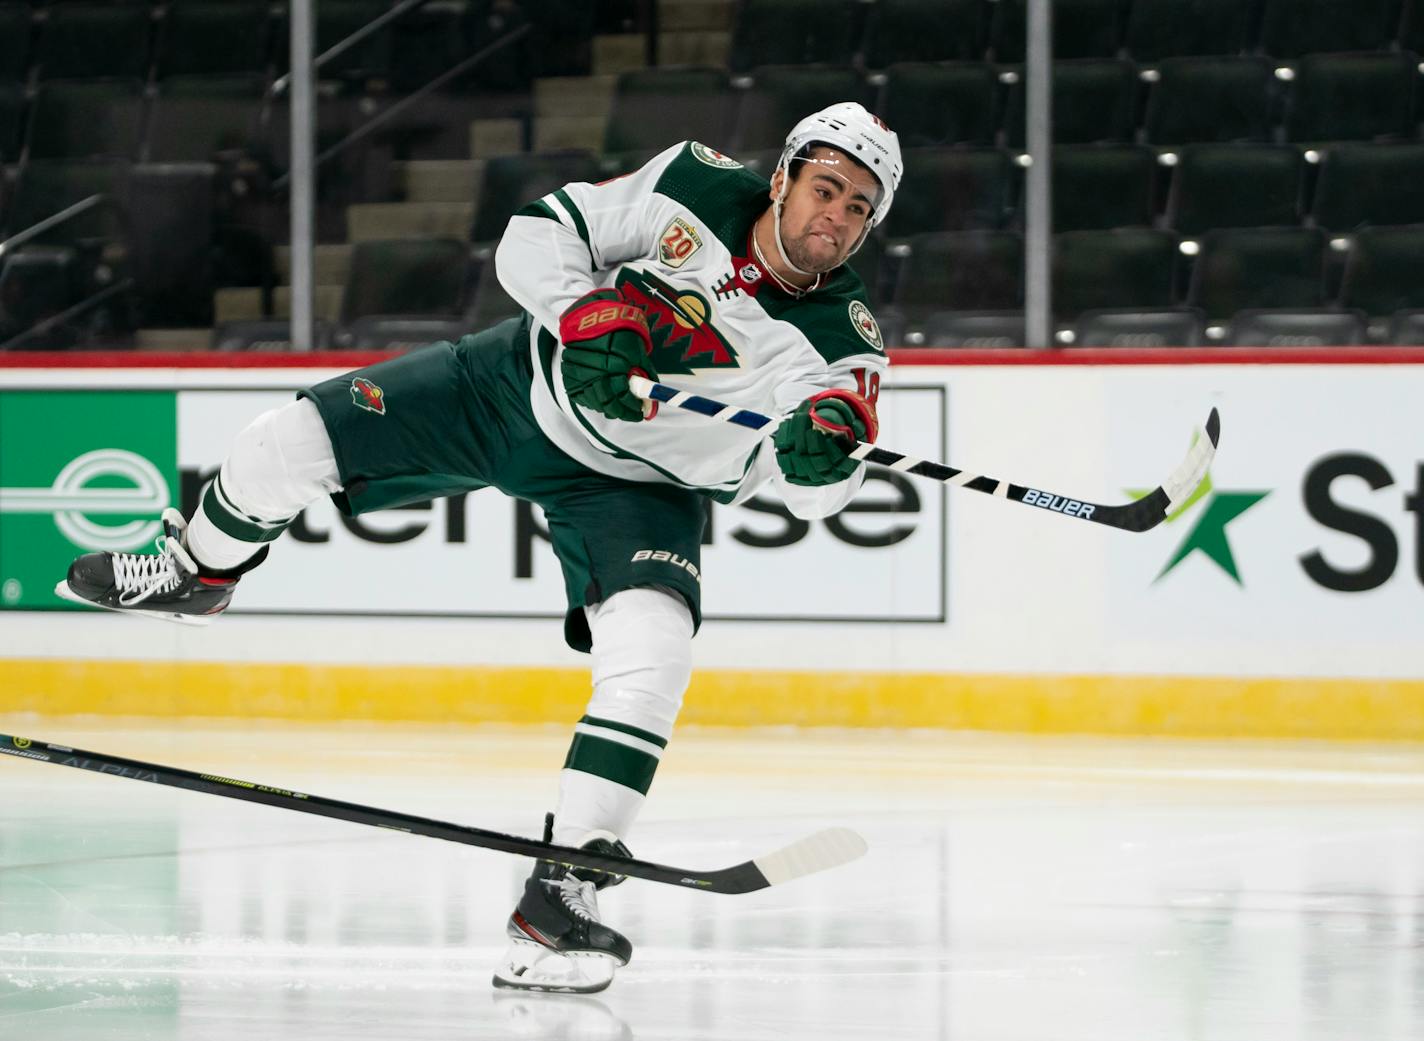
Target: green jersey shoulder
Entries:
(722, 193)
(836, 318)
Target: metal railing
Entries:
(14, 242)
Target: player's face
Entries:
(826, 209)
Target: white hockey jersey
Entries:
(674, 237)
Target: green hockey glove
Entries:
(606, 341)
(813, 445)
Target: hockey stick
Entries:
(825, 849)
(1141, 515)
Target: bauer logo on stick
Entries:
(367, 395)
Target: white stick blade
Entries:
(819, 852)
(1191, 472)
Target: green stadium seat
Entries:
(172, 222)
(214, 39)
(952, 189)
(401, 332)
(1103, 186)
(1292, 28)
(15, 37)
(406, 276)
(12, 121)
(200, 118)
(1362, 184)
(1406, 328)
(1318, 327)
(1092, 101)
(781, 96)
(925, 30)
(950, 103)
(1135, 328)
(1158, 29)
(1211, 99)
(513, 181)
(364, 62)
(960, 271)
(794, 32)
(1248, 268)
(1353, 97)
(425, 43)
(82, 118)
(265, 334)
(868, 263)
(1235, 186)
(46, 187)
(702, 98)
(1385, 271)
(1411, 29)
(91, 40)
(1125, 267)
(37, 283)
(1081, 29)
(987, 330)
(491, 303)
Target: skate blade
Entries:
(63, 591)
(533, 967)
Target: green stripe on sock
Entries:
(624, 728)
(236, 525)
(612, 761)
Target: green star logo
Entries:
(1208, 534)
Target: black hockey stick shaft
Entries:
(815, 853)
(1142, 515)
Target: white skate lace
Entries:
(140, 576)
(579, 897)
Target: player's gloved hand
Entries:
(606, 341)
(813, 445)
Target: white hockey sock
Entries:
(642, 661)
(279, 464)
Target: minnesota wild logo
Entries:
(679, 322)
(365, 394)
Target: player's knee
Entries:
(280, 462)
(642, 651)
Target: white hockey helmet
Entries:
(861, 135)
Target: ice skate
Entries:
(167, 584)
(556, 940)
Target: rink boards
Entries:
(1284, 601)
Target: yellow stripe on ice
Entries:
(1167, 705)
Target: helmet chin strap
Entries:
(776, 225)
(776, 229)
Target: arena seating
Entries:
(1225, 171)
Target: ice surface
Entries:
(1016, 889)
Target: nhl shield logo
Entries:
(365, 394)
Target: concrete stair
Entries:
(331, 263)
(695, 47)
(694, 15)
(243, 304)
(366, 222)
(618, 53)
(492, 137)
(440, 180)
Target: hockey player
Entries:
(691, 269)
